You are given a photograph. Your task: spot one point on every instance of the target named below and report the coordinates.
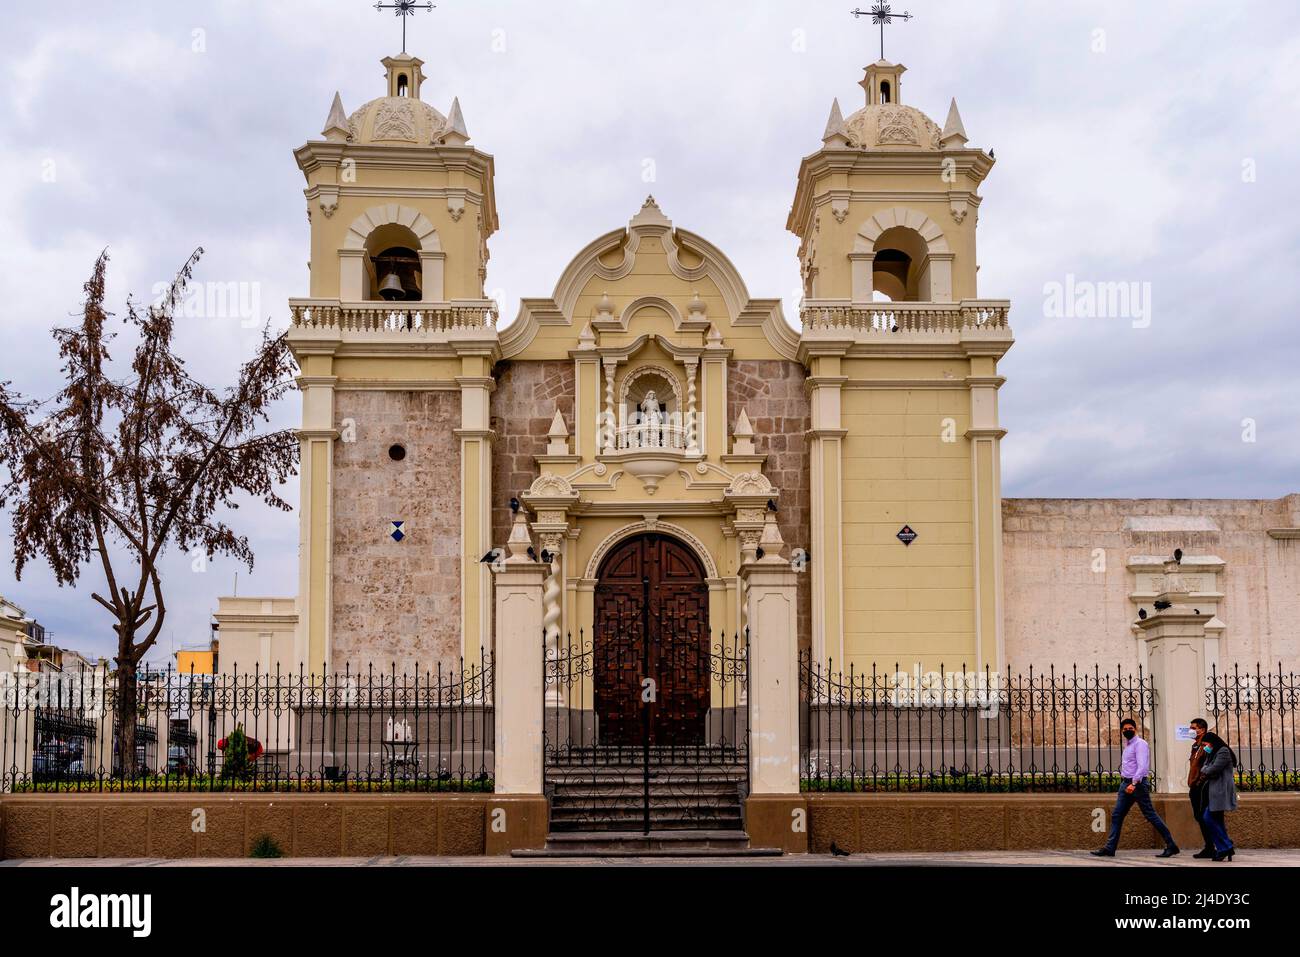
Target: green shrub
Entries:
(236, 764)
(266, 847)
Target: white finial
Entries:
(456, 134)
(835, 137)
(953, 136)
(336, 124)
(742, 435)
(558, 436)
(519, 541)
(771, 542)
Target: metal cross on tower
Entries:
(881, 14)
(404, 9)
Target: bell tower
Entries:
(887, 208)
(902, 360)
(401, 206)
(395, 343)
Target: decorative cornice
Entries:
(397, 385)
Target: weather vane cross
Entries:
(881, 14)
(404, 9)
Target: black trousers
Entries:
(1197, 797)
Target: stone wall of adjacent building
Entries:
(522, 407)
(397, 602)
(1063, 605)
(771, 391)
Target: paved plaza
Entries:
(1144, 858)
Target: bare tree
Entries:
(117, 470)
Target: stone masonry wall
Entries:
(397, 603)
(522, 407)
(1059, 610)
(771, 391)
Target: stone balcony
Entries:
(889, 318)
(398, 318)
(969, 326)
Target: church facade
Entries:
(651, 428)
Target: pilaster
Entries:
(476, 503)
(826, 448)
(315, 512)
(985, 438)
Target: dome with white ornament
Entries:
(400, 118)
(885, 123)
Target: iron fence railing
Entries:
(369, 730)
(1256, 712)
(966, 730)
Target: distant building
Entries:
(26, 645)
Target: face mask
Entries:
(1129, 732)
(1208, 749)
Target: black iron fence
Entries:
(370, 730)
(966, 730)
(1255, 712)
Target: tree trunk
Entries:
(125, 715)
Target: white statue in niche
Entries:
(651, 421)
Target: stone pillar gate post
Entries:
(775, 813)
(1175, 640)
(517, 816)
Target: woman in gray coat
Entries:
(1218, 772)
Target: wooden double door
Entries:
(651, 644)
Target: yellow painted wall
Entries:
(907, 603)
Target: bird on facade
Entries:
(837, 851)
(514, 505)
(1162, 605)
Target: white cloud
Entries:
(1119, 165)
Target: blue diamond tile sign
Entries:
(397, 532)
(906, 535)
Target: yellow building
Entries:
(650, 413)
(196, 661)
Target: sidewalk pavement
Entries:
(1144, 858)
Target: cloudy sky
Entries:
(1150, 143)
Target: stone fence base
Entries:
(373, 825)
(1016, 822)
(303, 825)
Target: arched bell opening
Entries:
(901, 268)
(393, 265)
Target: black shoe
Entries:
(1224, 855)
(1169, 851)
(1102, 852)
(1204, 854)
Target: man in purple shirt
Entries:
(1134, 768)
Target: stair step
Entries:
(605, 819)
(679, 843)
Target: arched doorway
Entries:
(651, 622)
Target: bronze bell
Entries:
(391, 288)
